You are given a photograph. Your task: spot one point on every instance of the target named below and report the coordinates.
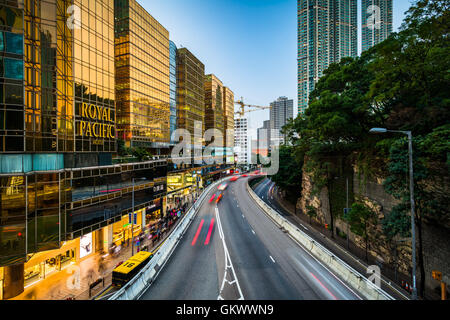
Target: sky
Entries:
(251, 45)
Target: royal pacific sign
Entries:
(100, 124)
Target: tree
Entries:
(429, 205)
(311, 212)
(141, 154)
(360, 218)
(289, 176)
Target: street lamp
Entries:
(413, 208)
(132, 216)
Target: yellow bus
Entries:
(130, 268)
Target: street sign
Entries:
(135, 219)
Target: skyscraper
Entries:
(228, 114)
(214, 104)
(191, 95)
(241, 140)
(173, 89)
(142, 57)
(376, 22)
(327, 32)
(282, 110)
(264, 135)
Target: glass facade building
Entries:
(214, 115)
(173, 89)
(191, 95)
(228, 117)
(327, 32)
(76, 76)
(376, 22)
(142, 53)
(57, 131)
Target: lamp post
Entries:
(132, 222)
(132, 217)
(413, 207)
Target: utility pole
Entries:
(413, 212)
(132, 222)
(413, 205)
(348, 229)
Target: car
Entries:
(219, 198)
(212, 198)
(244, 176)
(234, 178)
(222, 187)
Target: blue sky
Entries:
(251, 45)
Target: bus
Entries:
(130, 268)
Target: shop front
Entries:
(129, 226)
(43, 264)
(154, 213)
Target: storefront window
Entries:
(45, 268)
(122, 229)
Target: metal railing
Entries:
(143, 280)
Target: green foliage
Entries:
(289, 176)
(359, 219)
(311, 211)
(141, 154)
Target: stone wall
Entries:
(320, 202)
(436, 238)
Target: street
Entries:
(254, 261)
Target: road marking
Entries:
(304, 227)
(253, 232)
(272, 259)
(198, 232)
(228, 262)
(334, 297)
(208, 237)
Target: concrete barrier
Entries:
(352, 277)
(143, 280)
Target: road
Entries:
(233, 251)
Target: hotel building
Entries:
(61, 196)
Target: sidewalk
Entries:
(74, 280)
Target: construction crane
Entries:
(242, 106)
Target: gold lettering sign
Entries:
(97, 128)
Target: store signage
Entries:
(101, 124)
(85, 245)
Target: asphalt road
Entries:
(232, 251)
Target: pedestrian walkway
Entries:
(73, 281)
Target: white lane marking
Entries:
(272, 259)
(253, 231)
(325, 267)
(228, 262)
